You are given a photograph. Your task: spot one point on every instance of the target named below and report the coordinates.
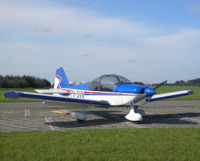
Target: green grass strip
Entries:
(170, 144)
(166, 89)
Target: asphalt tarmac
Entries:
(29, 116)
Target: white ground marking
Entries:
(27, 113)
(132, 124)
(48, 119)
(197, 120)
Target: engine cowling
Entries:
(137, 89)
(130, 88)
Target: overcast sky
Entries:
(143, 40)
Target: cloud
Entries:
(157, 58)
(85, 1)
(87, 56)
(89, 36)
(131, 61)
(114, 44)
(183, 66)
(180, 44)
(62, 20)
(43, 29)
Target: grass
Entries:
(194, 96)
(164, 89)
(113, 144)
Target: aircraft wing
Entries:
(170, 95)
(16, 94)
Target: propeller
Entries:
(159, 85)
(148, 91)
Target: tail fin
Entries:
(61, 80)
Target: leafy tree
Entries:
(11, 81)
(180, 83)
(138, 83)
(194, 82)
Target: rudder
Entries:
(61, 80)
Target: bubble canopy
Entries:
(107, 82)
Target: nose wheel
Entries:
(135, 114)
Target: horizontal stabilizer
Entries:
(171, 95)
(50, 91)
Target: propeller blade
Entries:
(139, 98)
(159, 85)
(148, 92)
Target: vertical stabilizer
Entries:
(61, 80)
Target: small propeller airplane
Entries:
(106, 90)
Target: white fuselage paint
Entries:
(56, 83)
(114, 99)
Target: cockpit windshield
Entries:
(107, 82)
(123, 79)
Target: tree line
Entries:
(193, 82)
(25, 81)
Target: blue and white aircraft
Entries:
(106, 90)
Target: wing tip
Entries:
(190, 92)
(12, 94)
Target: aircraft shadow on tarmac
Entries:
(110, 117)
(176, 119)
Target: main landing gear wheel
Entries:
(80, 116)
(141, 112)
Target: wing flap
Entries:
(50, 91)
(170, 95)
(16, 94)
